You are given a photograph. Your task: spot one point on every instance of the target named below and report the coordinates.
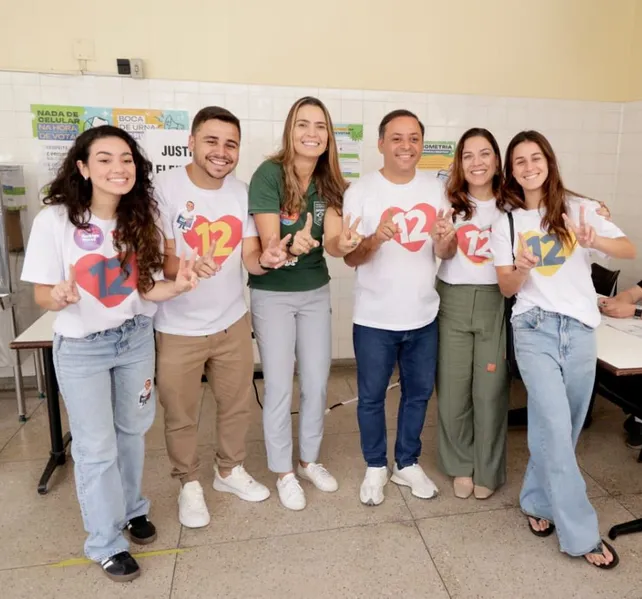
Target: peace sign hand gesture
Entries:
(303, 241)
(585, 233)
(525, 260)
(276, 254)
(66, 292)
(186, 278)
(206, 267)
(443, 230)
(349, 239)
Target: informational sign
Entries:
(12, 182)
(437, 156)
(56, 128)
(349, 140)
(166, 149)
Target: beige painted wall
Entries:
(576, 49)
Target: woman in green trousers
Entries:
(472, 374)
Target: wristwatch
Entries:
(638, 312)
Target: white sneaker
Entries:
(192, 511)
(290, 492)
(318, 476)
(415, 478)
(241, 484)
(371, 492)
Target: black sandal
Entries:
(541, 533)
(599, 550)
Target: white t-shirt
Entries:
(195, 218)
(107, 298)
(562, 281)
(395, 290)
(473, 262)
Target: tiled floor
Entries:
(336, 547)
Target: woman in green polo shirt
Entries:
(298, 192)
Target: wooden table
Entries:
(39, 336)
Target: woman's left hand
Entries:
(186, 278)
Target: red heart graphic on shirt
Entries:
(102, 277)
(415, 225)
(224, 233)
(474, 243)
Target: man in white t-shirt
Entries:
(406, 221)
(204, 210)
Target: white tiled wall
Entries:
(628, 204)
(587, 136)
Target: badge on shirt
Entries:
(185, 219)
(318, 209)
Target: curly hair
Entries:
(327, 173)
(137, 233)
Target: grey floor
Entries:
(336, 547)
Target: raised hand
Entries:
(206, 267)
(387, 228)
(303, 241)
(66, 292)
(186, 278)
(349, 239)
(275, 254)
(443, 230)
(584, 233)
(525, 259)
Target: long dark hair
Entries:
(137, 213)
(327, 176)
(554, 194)
(457, 186)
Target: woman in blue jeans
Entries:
(544, 261)
(95, 257)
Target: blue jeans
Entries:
(377, 351)
(106, 381)
(557, 357)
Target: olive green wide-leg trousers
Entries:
(472, 383)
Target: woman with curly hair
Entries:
(95, 258)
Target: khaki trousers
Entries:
(228, 362)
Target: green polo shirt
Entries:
(266, 197)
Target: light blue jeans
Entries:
(106, 381)
(557, 357)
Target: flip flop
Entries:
(599, 550)
(541, 533)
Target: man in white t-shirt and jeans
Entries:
(406, 222)
(210, 332)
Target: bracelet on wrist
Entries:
(264, 267)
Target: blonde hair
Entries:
(327, 175)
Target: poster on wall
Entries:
(12, 186)
(438, 156)
(56, 127)
(349, 138)
(166, 148)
